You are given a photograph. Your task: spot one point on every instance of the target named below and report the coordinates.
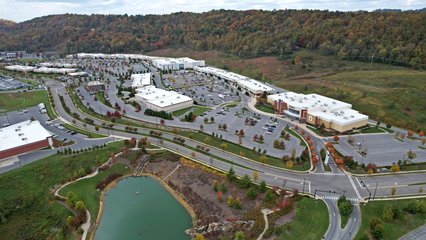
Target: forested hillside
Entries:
(397, 37)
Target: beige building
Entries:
(316, 109)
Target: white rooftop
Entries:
(161, 97)
(182, 60)
(20, 68)
(241, 80)
(342, 117)
(76, 74)
(309, 101)
(22, 134)
(140, 80)
(58, 64)
(54, 70)
(94, 83)
(326, 108)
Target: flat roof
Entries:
(326, 108)
(54, 70)
(249, 83)
(342, 117)
(22, 133)
(140, 80)
(94, 83)
(74, 74)
(309, 101)
(161, 97)
(58, 64)
(20, 68)
(182, 60)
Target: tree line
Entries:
(392, 37)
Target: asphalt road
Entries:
(324, 185)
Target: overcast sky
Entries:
(21, 10)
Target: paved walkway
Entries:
(265, 212)
(417, 234)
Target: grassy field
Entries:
(197, 110)
(84, 132)
(310, 222)
(20, 100)
(264, 108)
(33, 212)
(392, 93)
(86, 189)
(394, 229)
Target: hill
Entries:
(392, 37)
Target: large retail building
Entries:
(177, 63)
(22, 138)
(158, 99)
(316, 109)
(251, 86)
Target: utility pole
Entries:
(375, 189)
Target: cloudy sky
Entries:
(22, 10)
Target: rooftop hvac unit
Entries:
(352, 116)
(342, 112)
(334, 102)
(21, 134)
(17, 130)
(23, 139)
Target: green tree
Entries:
(388, 214)
(345, 206)
(376, 228)
(251, 193)
(239, 235)
(262, 186)
(245, 181)
(231, 175)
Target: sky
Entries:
(22, 10)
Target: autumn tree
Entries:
(255, 176)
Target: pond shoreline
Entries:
(114, 183)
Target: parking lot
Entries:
(382, 149)
(237, 118)
(204, 90)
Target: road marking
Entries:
(358, 182)
(276, 177)
(354, 187)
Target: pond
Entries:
(141, 208)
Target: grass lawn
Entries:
(394, 229)
(231, 105)
(264, 108)
(372, 129)
(86, 189)
(413, 166)
(33, 212)
(197, 110)
(84, 132)
(344, 220)
(101, 98)
(19, 100)
(310, 222)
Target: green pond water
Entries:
(152, 214)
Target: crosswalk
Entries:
(356, 200)
(329, 173)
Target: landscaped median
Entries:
(84, 132)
